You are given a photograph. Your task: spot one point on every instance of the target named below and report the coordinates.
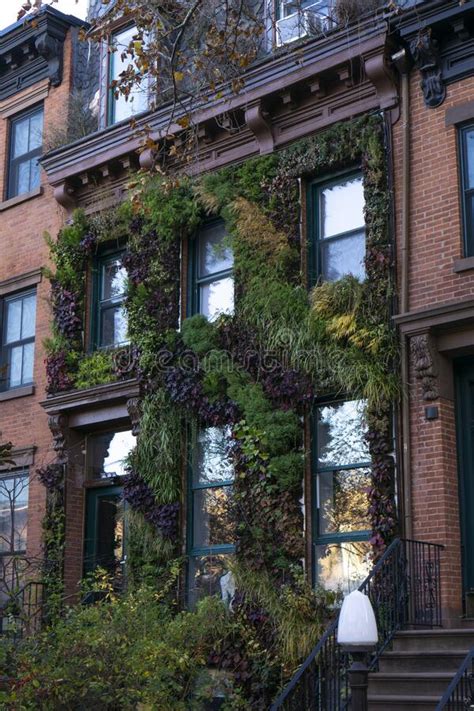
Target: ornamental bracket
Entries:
(383, 79)
(58, 426)
(423, 358)
(51, 49)
(260, 127)
(425, 52)
(64, 195)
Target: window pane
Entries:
(110, 529)
(28, 363)
(343, 256)
(343, 501)
(36, 131)
(342, 207)
(217, 298)
(13, 513)
(22, 182)
(214, 254)
(208, 575)
(212, 463)
(13, 321)
(34, 174)
(20, 137)
(213, 524)
(28, 316)
(106, 454)
(114, 326)
(138, 97)
(470, 157)
(114, 279)
(343, 565)
(16, 362)
(340, 435)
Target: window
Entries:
(26, 140)
(18, 339)
(13, 533)
(299, 18)
(111, 322)
(212, 281)
(338, 228)
(467, 187)
(107, 453)
(341, 473)
(120, 106)
(211, 525)
(105, 526)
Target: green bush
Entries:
(123, 653)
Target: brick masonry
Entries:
(23, 249)
(435, 243)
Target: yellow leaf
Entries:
(178, 76)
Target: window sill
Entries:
(20, 198)
(17, 392)
(463, 265)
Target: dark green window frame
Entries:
(314, 218)
(6, 348)
(196, 551)
(196, 281)
(29, 157)
(326, 539)
(99, 305)
(467, 189)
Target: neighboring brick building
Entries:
(36, 75)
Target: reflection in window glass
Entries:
(213, 522)
(343, 565)
(25, 149)
(122, 107)
(13, 513)
(209, 575)
(113, 323)
(214, 283)
(18, 340)
(341, 228)
(467, 186)
(212, 531)
(343, 503)
(212, 463)
(341, 434)
(107, 454)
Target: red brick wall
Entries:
(435, 242)
(22, 249)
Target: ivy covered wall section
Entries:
(256, 373)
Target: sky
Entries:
(9, 9)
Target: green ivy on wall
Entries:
(334, 339)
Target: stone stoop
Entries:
(416, 671)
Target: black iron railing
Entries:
(459, 696)
(22, 613)
(404, 589)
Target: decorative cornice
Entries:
(91, 398)
(32, 50)
(286, 97)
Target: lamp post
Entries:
(357, 635)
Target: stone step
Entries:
(382, 702)
(448, 660)
(413, 684)
(434, 640)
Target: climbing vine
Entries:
(255, 373)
